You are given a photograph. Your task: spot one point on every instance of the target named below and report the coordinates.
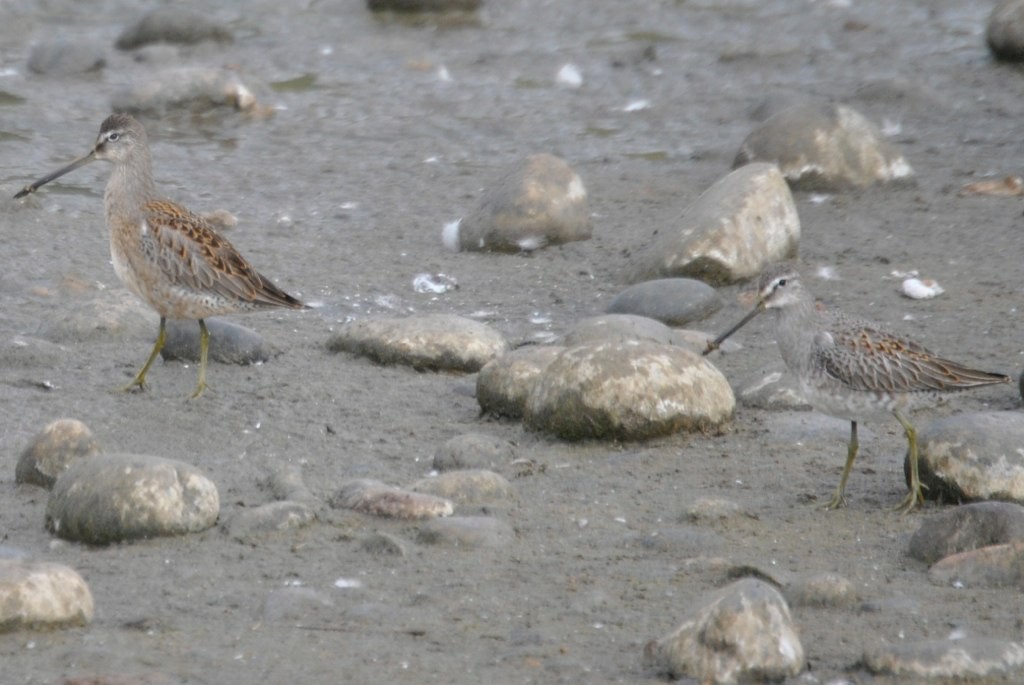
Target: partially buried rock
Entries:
(504, 384)
(466, 486)
(772, 387)
(42, 595)
(379, 499)
(540, 201)
(739, 225)
(946, 660)
(467, 531)
(968, 527)
(474, 451)
(192, 88)
(823, 590)
(435, 342)
(743, 634)
(229, 342)
(823, 146)
(249, 525)
(53, 450)
(172, 24)
(116, 497)
(673, 301)
(629, 390)
(973, 456)
(1005, 31)
(992, 566)
(116, 314)
(63, 57)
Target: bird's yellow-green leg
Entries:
(139, 382)
(839, 499)
(204, 346)
(915, 496)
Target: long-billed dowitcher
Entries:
(168, 256)
(853, 369)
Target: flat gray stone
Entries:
(114, 315)
(474, 451)
(171, 24)
(192, 88)
(822, 590)
(673, 301)
(116, 497)
(771, 387)
(250, 525)
(379, 499)
(466, 486)
(229, 342)
(942, 660)
(967, 527)
(989, 567)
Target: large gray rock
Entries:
(230, 343)
(968, 527)
(673, 301)
(436, 342)
(115, 497)
(991, 566)
(739, 225)
(505, 383)
(52, 451)
(42, 595)
(190, 88)
(1005, 30)
(630, 390)
(946, 660)
(744, 633)
(973, 456)
(822, 146)
(540, 201)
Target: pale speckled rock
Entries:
(171, 24)
(743, 633)
(467, 531)
(474, 451)
(379, 499)
(52, 451)
(437, 342)
(973, 456)
(672, 301)
(230, 343)
(116, 497)
(540, 201)
(824, 146)
(66, 56)
(466, 486)
(113, 315)
(628, 390)
(966, 527)
(42, 595)
(739, 225)
(945, 660)
(249, 525)
(822, 590)
(1004, 32)
(992, 566)
(771, 387)
(192, 88)
(504, 384)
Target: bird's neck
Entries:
(129, 188)
(796, 326)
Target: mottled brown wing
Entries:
(867, 358)
(197, 257)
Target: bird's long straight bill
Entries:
(34, 186)
(716, 343)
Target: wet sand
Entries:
(341, 198)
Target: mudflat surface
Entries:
(341, 197)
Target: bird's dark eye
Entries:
(112, 137)
(782, 282)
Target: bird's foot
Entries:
(138, 384)
(913, 499)
(838, 501)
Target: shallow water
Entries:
(342, 195)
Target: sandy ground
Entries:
(341, 198)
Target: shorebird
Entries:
(854, 369)
(169, 257)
